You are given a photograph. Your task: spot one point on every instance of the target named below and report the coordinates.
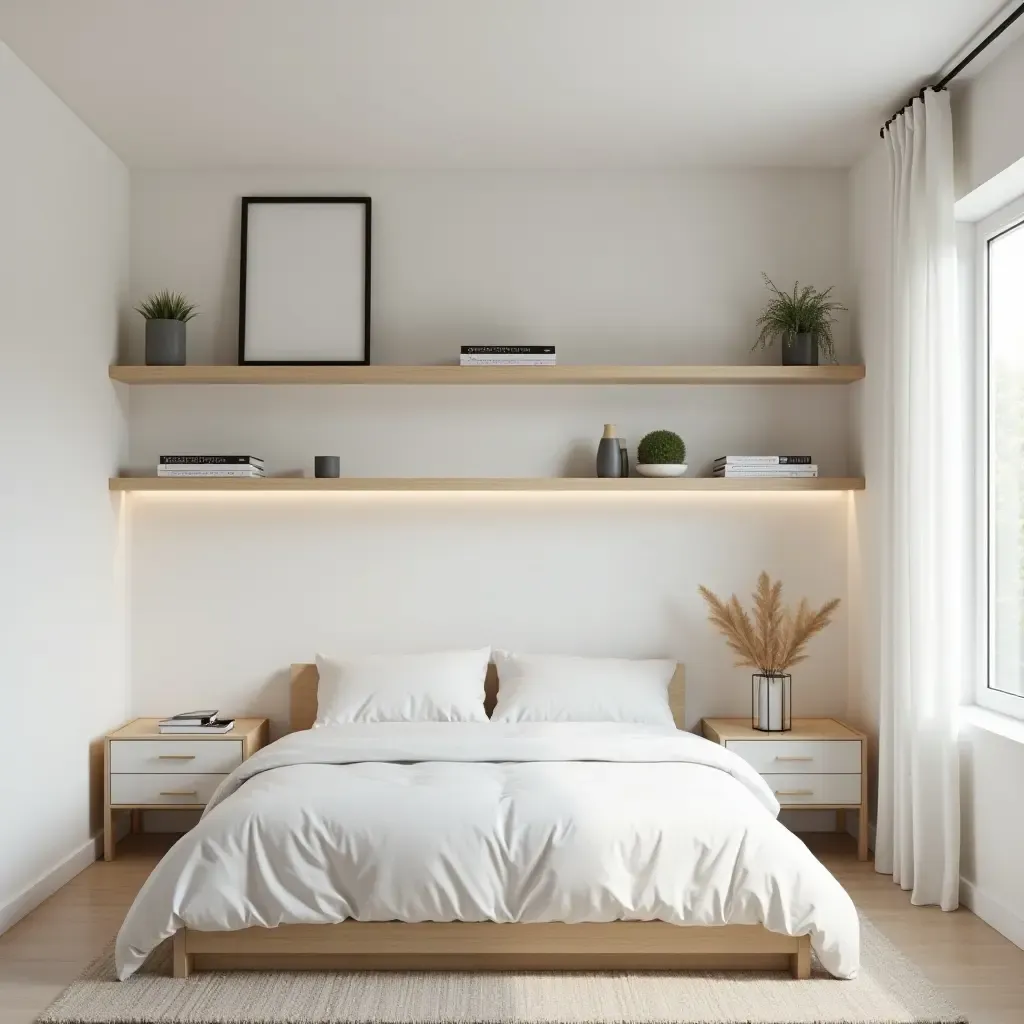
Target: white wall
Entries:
(63, 276)
(656, 267)
(870, 241)
(987, 123)
(992, 826)
(228, 590)
(611, 267)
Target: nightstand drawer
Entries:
(133, 790)
(793, 790)
(171, 757)
(779, 757)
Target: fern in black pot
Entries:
(803, 321)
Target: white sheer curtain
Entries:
(925, 583)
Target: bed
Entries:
(274, 876)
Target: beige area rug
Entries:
(889, 990)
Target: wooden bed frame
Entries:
(487, 946)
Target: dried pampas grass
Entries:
(774, 638)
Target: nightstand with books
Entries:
(172, 764)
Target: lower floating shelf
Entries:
(513, 483)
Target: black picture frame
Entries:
(248, 201)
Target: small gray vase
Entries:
(800, 350)
(165, 342)
(609, 453)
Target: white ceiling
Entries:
(487, 83)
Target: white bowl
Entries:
(661, 469)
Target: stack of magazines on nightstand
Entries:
(507, 355)
(210, 465)
(196, 722)
(763, 466)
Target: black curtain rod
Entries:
(946, 79)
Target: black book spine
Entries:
(507, 350)
(203, 460)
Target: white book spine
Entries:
(254, 473)
(197, 462)
(201, 726)
(739, 472)
(502, 361)
(767, 469)
(197, 731)
(758, 460)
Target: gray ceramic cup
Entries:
(327, 465)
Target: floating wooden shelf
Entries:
(486, 374)
(586, 484)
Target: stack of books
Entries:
(210, 465)
(754, 466)
(196, 722)
(507, 355)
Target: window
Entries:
(1001, 239)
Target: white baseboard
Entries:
(993, 912)
(47, 884)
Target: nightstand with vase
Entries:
(816, 763)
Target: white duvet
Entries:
(492, 822)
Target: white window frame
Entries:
(1004, 219)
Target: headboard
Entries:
(302, 699)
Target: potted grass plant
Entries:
(166, 314)
(771, 640)
(803, 321)
(661, 453)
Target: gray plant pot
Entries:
(327, 465)
(165, 342)
(800, 350)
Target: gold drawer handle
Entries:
(794, 792)
(176, 757)
(793, 757)
(179, 792)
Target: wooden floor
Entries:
(982, 972)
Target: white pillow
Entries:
(553, 688)
(447, 686)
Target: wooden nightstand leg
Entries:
(182, 960)
(841, 820)
(862, 834)
(800, 961)
(108, 834)
(136, 820)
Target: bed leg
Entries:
(800, 961)
(182, 960)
